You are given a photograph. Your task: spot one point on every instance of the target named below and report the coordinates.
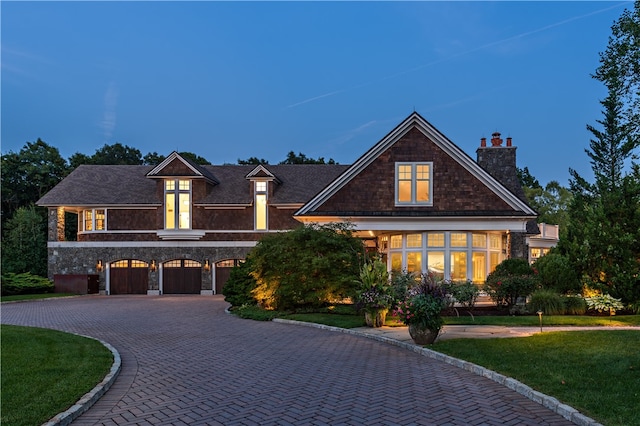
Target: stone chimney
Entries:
(500, 162)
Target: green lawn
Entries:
(44, 372)
(595, 372)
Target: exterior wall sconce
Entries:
(153, 265)
(99, 266)
(207, 265)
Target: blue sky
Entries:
(230, 80)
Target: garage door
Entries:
(128, 276)
(223, 270)
(182, 276)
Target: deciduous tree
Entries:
(28, 174)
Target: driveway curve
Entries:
(185, 362)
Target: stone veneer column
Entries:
(518, 245)
(55, 225)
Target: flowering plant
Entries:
(423, 304)
(375, 290)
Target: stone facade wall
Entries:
(83, 260)
(518, 247)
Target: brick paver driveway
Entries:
(186, 362)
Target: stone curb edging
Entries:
(549, 402)
(83, 404)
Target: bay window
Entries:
(456, 256)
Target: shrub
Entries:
(548, 301)
(574, 305)
(513, 280)
(310, 266)
(465, 293)
(25, 283)
(555, 272)
(237, 290)
(255, 313)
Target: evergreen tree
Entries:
(603, 238)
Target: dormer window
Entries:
(260, 205)
(177, 204)
(414, 184)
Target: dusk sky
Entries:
(232, 80)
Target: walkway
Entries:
(185, 362)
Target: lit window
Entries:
(88, 220)
(435, 263)
(479, 240)
(414, 261)
(458, 270)
(94, 220)
(177, 204)
(494, 260)
(261, 206)
(413, 183)
(495, 242)
(396, 241)
(479, 266)
(414, 240)
(396, 261)
(435, 239)
(458, 239)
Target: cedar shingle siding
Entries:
(455, 190)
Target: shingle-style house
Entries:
(178, 227)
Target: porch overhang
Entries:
(382, 224)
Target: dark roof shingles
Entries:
(126, 185)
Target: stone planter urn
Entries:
(421, 335)
(375, 317)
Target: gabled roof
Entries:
(416, 121)
(261, 172)
(176, 165)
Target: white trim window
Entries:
(452, 255)
(93, 220)
(260, 203)
(177, 204)
(414, 184)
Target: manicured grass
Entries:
(335, 320)
(44, 372)
(355, 320)
(33, 296)
(596, 372)
(547, 320)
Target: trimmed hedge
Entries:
(25, 283)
